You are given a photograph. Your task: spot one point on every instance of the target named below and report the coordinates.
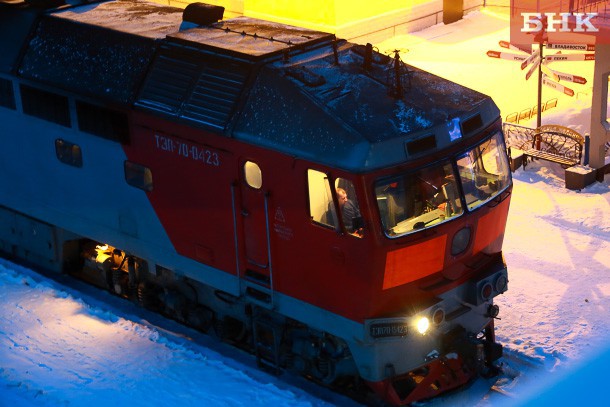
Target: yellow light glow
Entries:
(329, 16)
(422, 325)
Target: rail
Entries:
(527, 114)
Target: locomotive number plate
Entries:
(187, 150)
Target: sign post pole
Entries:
(539, 115)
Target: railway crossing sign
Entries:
(546, 75)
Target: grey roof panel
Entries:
(251, 38)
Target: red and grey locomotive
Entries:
(333, 210)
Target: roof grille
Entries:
(168, 84)
(194, 86)
(216, 93)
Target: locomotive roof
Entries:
(251, 37)
(149, 20)
(291, 89)
(328, 108)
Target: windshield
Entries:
(484, 172)
(432, 195)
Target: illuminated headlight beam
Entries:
(423, 324)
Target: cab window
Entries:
(321, 203)
(484, 172)
(325, 198)
(418, 200)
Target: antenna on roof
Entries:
(399, 76)
(368, 57)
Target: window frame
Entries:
(138, 175)
(328, 189)
(45, 105)
(7, 94)
(69, 153)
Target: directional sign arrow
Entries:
(506, 55)
(549, 72)
(557, 76)
(530, 59)
(506, 44)
(571, 78)
(558, 87)
(532, 69)
(570, 57)
(572, 47)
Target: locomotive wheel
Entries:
(200, 317)
(147, 296)
(230, 329)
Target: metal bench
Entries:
(556, 144)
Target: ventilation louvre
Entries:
(194, 86)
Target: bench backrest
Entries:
(559, 140)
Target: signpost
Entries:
(546, 75)
(506, 55)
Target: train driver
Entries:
(349, 212)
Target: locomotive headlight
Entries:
(423, 324)
(501, 283)
(486, 291)
(460, 241)
(438, 316)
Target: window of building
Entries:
(253, 175)
(7, 96)
(45, 105)
(138, 176)
(100, 121)
(69, 153)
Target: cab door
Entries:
(255, 264)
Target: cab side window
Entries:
(321, 206)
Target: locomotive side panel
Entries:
(90, 197)
(80, 183)
(324, 264)
(190, 192)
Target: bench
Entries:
(556, 144)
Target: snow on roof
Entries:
(146, 19)
(251, 36)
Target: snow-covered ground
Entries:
(61, 346)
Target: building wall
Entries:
(356, 20)
(600, 126)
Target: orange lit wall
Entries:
(356, 20)
(347, 18)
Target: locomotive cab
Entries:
(441, 227)
(443, 191)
